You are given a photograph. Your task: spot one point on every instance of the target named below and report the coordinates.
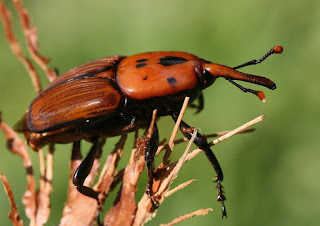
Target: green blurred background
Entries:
(270, 175)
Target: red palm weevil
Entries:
(117, 95)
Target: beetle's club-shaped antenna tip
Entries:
(231, 74)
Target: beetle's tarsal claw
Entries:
(221, 198)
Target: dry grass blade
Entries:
(200, 212)
(238, 130)
(14, 214)
(176, 126)
(179, 187)
(165, 160)
(227, 135)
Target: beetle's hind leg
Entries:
(202, 144)
(83, 171)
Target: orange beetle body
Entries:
(116, 95)
(87, 100)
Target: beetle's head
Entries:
(231, 74)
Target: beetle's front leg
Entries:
(151, 149)
(202, 144)
(83, 171)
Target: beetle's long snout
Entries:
(231, 74)
(218, 70)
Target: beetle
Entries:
(117, 95)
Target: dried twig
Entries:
(200, 212)
(31, 36)
(240, 129)
(18, 147)
(14, 214)
(142, 214)
(16, 48)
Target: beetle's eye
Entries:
(208, 78)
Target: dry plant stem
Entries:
(200, 212)
(43, 195)
(176, 126)
(164, 187)
(179, 187)
(165, 160)
(142, 214)
(18, 147)
(227, 135)
(80, 209)
(153, 120)
(14, 214)
(238, 130)
(124, 210)
(76, 211)
(184, 139)
(31, 36)
(16, 48)
(108, 172)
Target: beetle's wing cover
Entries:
(101, 67)
(73, 102)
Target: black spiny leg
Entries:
(83, 171)
(151, 149)
(202, 144)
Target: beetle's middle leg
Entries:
(151, 149)
(202, 144)
(83, 171)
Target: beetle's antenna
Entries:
(277, 50)
(259, 94)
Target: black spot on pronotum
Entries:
(171, 60)
(141, 65)
(145, 78)
(141, 60)
(171, 80)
